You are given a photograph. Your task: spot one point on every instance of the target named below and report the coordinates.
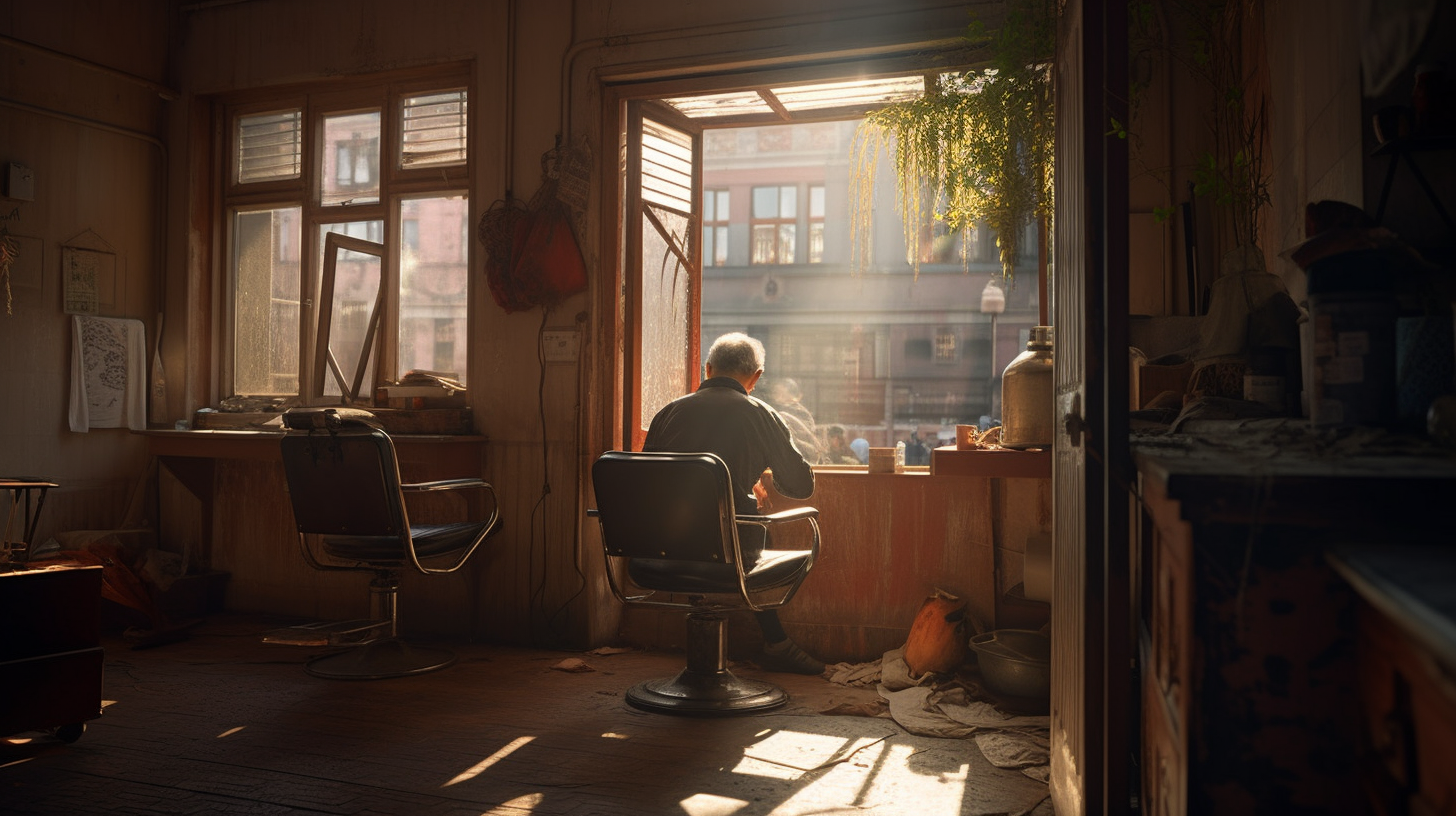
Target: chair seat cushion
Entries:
(430, 540)
(775, 568)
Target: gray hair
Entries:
(735, 355)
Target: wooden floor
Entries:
(221, 723)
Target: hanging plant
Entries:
(977, 148)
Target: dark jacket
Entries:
(744, 431)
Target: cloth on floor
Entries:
(931, 707)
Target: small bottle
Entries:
(1026, 394)
(900, 456)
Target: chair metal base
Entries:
(719, 693)
(706, 687)
(378, 660)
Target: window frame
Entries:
(622, 424)
(385, 92)
(776, 222)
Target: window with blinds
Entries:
(432, 128)
(270, 146)
(667, 167)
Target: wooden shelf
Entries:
(1002, 463)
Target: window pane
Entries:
(356, 287)
(788, 202)
(432, 285)
(665, 328)
(720, 246)
(350, 164)
(269, 146)
(433, 129)
(765, 202)
(786, 243)
(265, 274)
(763, 244)
(816, 201)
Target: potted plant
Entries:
(977, 148)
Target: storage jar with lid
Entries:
(1026, 394)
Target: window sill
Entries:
(1001, 463)
(254, 443)
(396, 421)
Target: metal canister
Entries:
(1027, 394)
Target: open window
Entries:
(346, 351)
(736, 218)
(380, 162)
(664, 260)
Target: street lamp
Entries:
(993, 303)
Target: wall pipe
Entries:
(169, 94)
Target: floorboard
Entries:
(221, 723)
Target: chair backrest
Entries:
(344, 480)
(673, 506)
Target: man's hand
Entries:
(760, 491)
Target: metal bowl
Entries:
(1015, 662)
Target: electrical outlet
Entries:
(559, 345)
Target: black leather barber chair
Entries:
(671, 538)
(349, 503)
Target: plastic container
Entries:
(1027, 394)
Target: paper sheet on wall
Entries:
(108, 374)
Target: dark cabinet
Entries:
(50, 654)
(1261, 691)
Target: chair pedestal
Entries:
(386, 656)
(706, 687)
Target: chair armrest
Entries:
(443, 484)
(794, 514)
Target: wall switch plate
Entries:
(559, 345)
(20, 182)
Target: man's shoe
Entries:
(786, 656)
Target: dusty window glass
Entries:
(265, 308)
(433, 278)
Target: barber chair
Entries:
(671, 539)
(349, 504)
